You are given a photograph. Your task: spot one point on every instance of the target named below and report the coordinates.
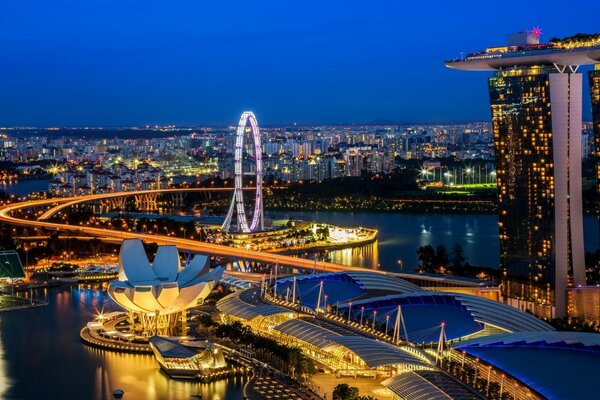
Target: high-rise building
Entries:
(594, 78)
(536, 104)
(536, 116)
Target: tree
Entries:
(426, 257)
(206, 320)
(343, 391)
(441, 258)
(457, 258)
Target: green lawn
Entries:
(9, 301)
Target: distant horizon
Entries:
(266, 126)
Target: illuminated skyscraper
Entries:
(595, 95)
(536, 115)
(536, 104)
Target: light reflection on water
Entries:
(401, 234)
(365, 256)
(139, 376)
(5, 381)
(41, 355)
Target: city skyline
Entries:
(202, 65)
(299, 200)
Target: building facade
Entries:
(536, 114)
(594, 79)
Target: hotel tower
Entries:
(536, 103)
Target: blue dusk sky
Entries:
(130, 62)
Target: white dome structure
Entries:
(160, 289)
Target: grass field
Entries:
(9, 302)
(466, 188)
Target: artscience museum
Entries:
(157, 295)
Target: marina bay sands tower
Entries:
(536, 103)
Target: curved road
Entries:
(182, 244)
(70, 201)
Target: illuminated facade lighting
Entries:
(237, 202)
(536, 104)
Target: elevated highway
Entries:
(184, 245)
(67, 202)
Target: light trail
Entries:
(184, 245)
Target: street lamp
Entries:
(401, 264)
(374, 318)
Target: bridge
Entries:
(66, 202)
(183, 245)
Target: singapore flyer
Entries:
(237, 202)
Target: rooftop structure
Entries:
(352, 338)
(341, 349)
(158, 293)
(431, 385)
(574, 357)
(344, 286)
(364, 296)
(180, 361)
(560, 53)
(536, 105)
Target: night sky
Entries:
(124, 62)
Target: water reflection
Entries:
(401, 234)
(41, 355)
(364, 256)
(5, 382)
(141, 378)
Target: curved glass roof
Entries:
(248, 305)
(171, 348)
(307, 332)
(337, 287)
(344, 286)
(558, 365)
(481, 310)
(501, 315)
(382, 281)
(577, 340)
(428, 385)
(373, 352)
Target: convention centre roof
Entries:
(248, 305)
(558, 365)
(429, 385)
(373, 352)
(345, 286)
(424, 312)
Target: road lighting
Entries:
(401, 264)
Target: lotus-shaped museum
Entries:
(160, 288)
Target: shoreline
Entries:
(372, 238)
